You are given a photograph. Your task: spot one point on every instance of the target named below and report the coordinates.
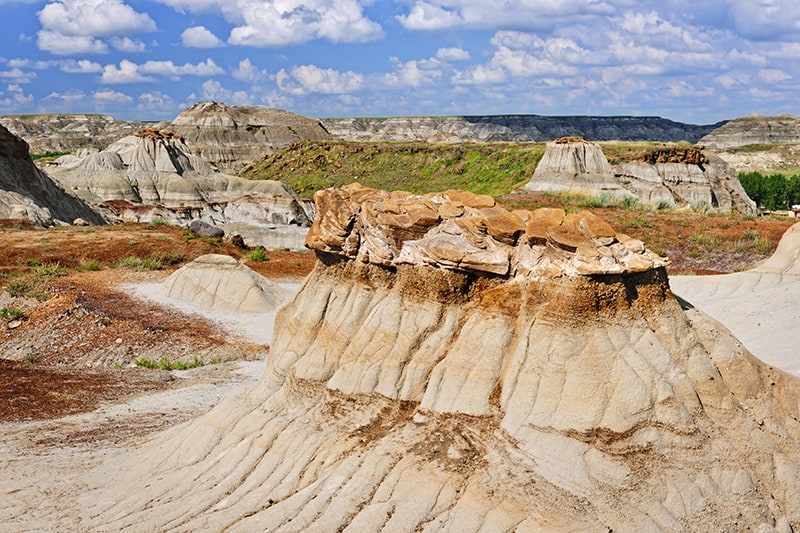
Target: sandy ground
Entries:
(252, 327)
(42, 459)
(761, 309)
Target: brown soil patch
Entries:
(35, 392)
(694, 242)
(75, 350)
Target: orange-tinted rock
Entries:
(540, 220)
(504, 226)
(470, 199)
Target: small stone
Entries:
(204, 229)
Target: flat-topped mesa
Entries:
(459, 230)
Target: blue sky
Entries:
(692, 61)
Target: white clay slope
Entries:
(760, 306)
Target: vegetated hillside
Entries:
(493, 169)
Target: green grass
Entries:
(166, 364)
(156, 261)
(49, 270)
(90, 266)
(483, 168)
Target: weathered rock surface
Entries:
(574, 165)
(222, 283)
(153, 174)
(759, 306)
(754, 129)
(28, 194)
(511, 128)
(63, 133)
(685, 177)
(231, 136)
(680, 176)
(424, 395)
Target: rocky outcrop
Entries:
(514, 128)
(754, 129)
(153, 174)
(685, 176)
(64, 133)
(29, 195)
(231, 136)
(676, 175)
(411, 387)
(573, 165)
(222, 283)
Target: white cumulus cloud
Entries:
(128, 45)
(126, 72)
(82, 66)
(111, 97)
(95, 18)
(521, 14)
(79, 26)
(171, 70)
(274, 23)
(313, 79)
(67, 45)
(452, 54)
(248, 72)
(200, 37)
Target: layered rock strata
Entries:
(514, 128)
(154, 174)
(573, 165)
(676, 176)
(231, 136)
(451, 366)
(27, 194)
(754, 129)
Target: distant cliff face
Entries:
(28, 194)
(231, 136)
(510, 128)
(69, 133)
(754, 129)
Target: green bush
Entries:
(11, 313)
(771, 192)
(258, 255)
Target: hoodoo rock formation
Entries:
(679, 176)
(232, 136)
(685, 176)
(29, 195)
(571, 164)
(452, 366)
(153, 174)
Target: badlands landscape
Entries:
(190, 342)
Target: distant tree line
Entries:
(771, 192)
